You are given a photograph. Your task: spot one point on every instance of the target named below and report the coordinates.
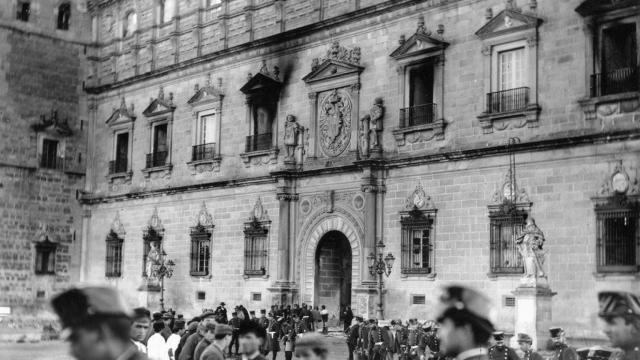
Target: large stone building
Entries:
(268, 146)
(43, 146)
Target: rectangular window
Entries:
(207, 129)
(255, 260)
(417, 248)
(23, 11)
(200, 252)
(511, 73)
(45, 258)
(159, 154)
(256, 296)
(421, 109)
(418, 300)
(64, 15)
(50, 159)
(121, 162)
(113, 259)
(617, 240)
(505, 257)
(618, 61)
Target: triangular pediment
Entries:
(122, 115)
(331, 68)
(160, 105)
(205, 94)
(593, 7)
(53, 125)
(260, 82)
(508, 21)
(418, 43)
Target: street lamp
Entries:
(163, 269)
(379, 266)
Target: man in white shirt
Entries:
(466, 318)
(157, 348)
(140, 324)
(174, 339)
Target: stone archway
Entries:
(339, 222)
(332, 280)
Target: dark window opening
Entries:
(120, 164)
(617, 240)
(114, 255)
(201, 295)
(504, 228)
(421, 108)
(23, 11)
(46, 257)
(160, 148)
(618, 62)
(64, 15)
(418, 300)
(255, 250)
(256, 297)
(50, 159)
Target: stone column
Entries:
(369, 189)
(283, 237)
(533, 313)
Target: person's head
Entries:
(465, 316)
(263, 312)
(252, 313)
(620, 315)
(96, 320)
(524, 342)
(323, 307)
(234, 314)
(208, 317)
(178, 327)
(498, 337)
(557, 336)
(222, 335)
(311, 347)
(167, 319)
(140, 323)
(251, 337)
(158, 326)
(209, 331)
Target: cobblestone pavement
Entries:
(58, 350)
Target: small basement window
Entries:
(418, 300)
(256, 296)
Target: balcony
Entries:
(52, 162)
(417, 115)
(203, 152)
(157, 159)
(615, 82)
(506, 101)
(260, 142)
(117, 167)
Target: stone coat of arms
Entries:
(335, 122)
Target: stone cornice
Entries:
(389, 163)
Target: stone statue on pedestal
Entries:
(372, 128)
(153, 259)
(530, 244)
(292, 130)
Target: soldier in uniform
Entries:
(412, 342)
(97, 323)
(221, 313)
(376, 341)
(363, 339)
(620, 312)
(235, 326)
(525, 342)
(500, 351)
(561, 351)
(262, 320)
(273, 335)
(466, 323)
(352, 336)
(430, 344)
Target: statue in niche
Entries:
(292, 130)
(530, 244)
(153, 259)
(372, 128)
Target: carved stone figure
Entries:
(372, 128)
(530, 245)
(292, 132)
(153, 259)
(335, 122)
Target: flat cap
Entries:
(556, 332)
(79, 306)
(524, 338)
(470, 302)
(178, 325)
(618, 303)
(223, 329)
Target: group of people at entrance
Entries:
(99, 326)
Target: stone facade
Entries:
(41, 91)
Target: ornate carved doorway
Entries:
(333, 272)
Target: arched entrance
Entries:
(332, 280)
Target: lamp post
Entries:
(163, 269)
(379, 266)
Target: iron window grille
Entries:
(46, 257)
(618, 236)
(114, 255)
(200, 251)
(417, 115)
(259, 142)
(417, 242)
(614, 82)
(255, 248)
(506, 101)
(203, 152)
(504, 229)
(156, 159)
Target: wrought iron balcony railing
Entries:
(259, 142)
(507, 100)
(52, 162)
(117, 166)
(615, 82)
(157, 159)
(417, 115)
(203, 152)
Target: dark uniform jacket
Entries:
(212, 352)
(375, 336)
(564, 352)
(502, 352)
(531, 355)
(363, 336)
(190, 346)
(354, 333)
(274, 327)
(200, 348)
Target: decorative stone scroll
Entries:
(503, 192)
(418, 200)
(259, 213)
(117, 227)
(204, 218)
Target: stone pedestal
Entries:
(533, 312)
(283, 293)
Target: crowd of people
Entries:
(99, 326)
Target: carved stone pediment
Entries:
(418, 200)
(160, 105)
(263, 81)
(507, 21)
(259, 213)
(204, 218)
(418, 44)
(594, 7)
(117, 227)
(121, 115)
(330, 69)
(154, 222)
(620, 182)
(505, 194)
(53, 125)
(207, 94)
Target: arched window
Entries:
(64, 14)
(129, 24)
